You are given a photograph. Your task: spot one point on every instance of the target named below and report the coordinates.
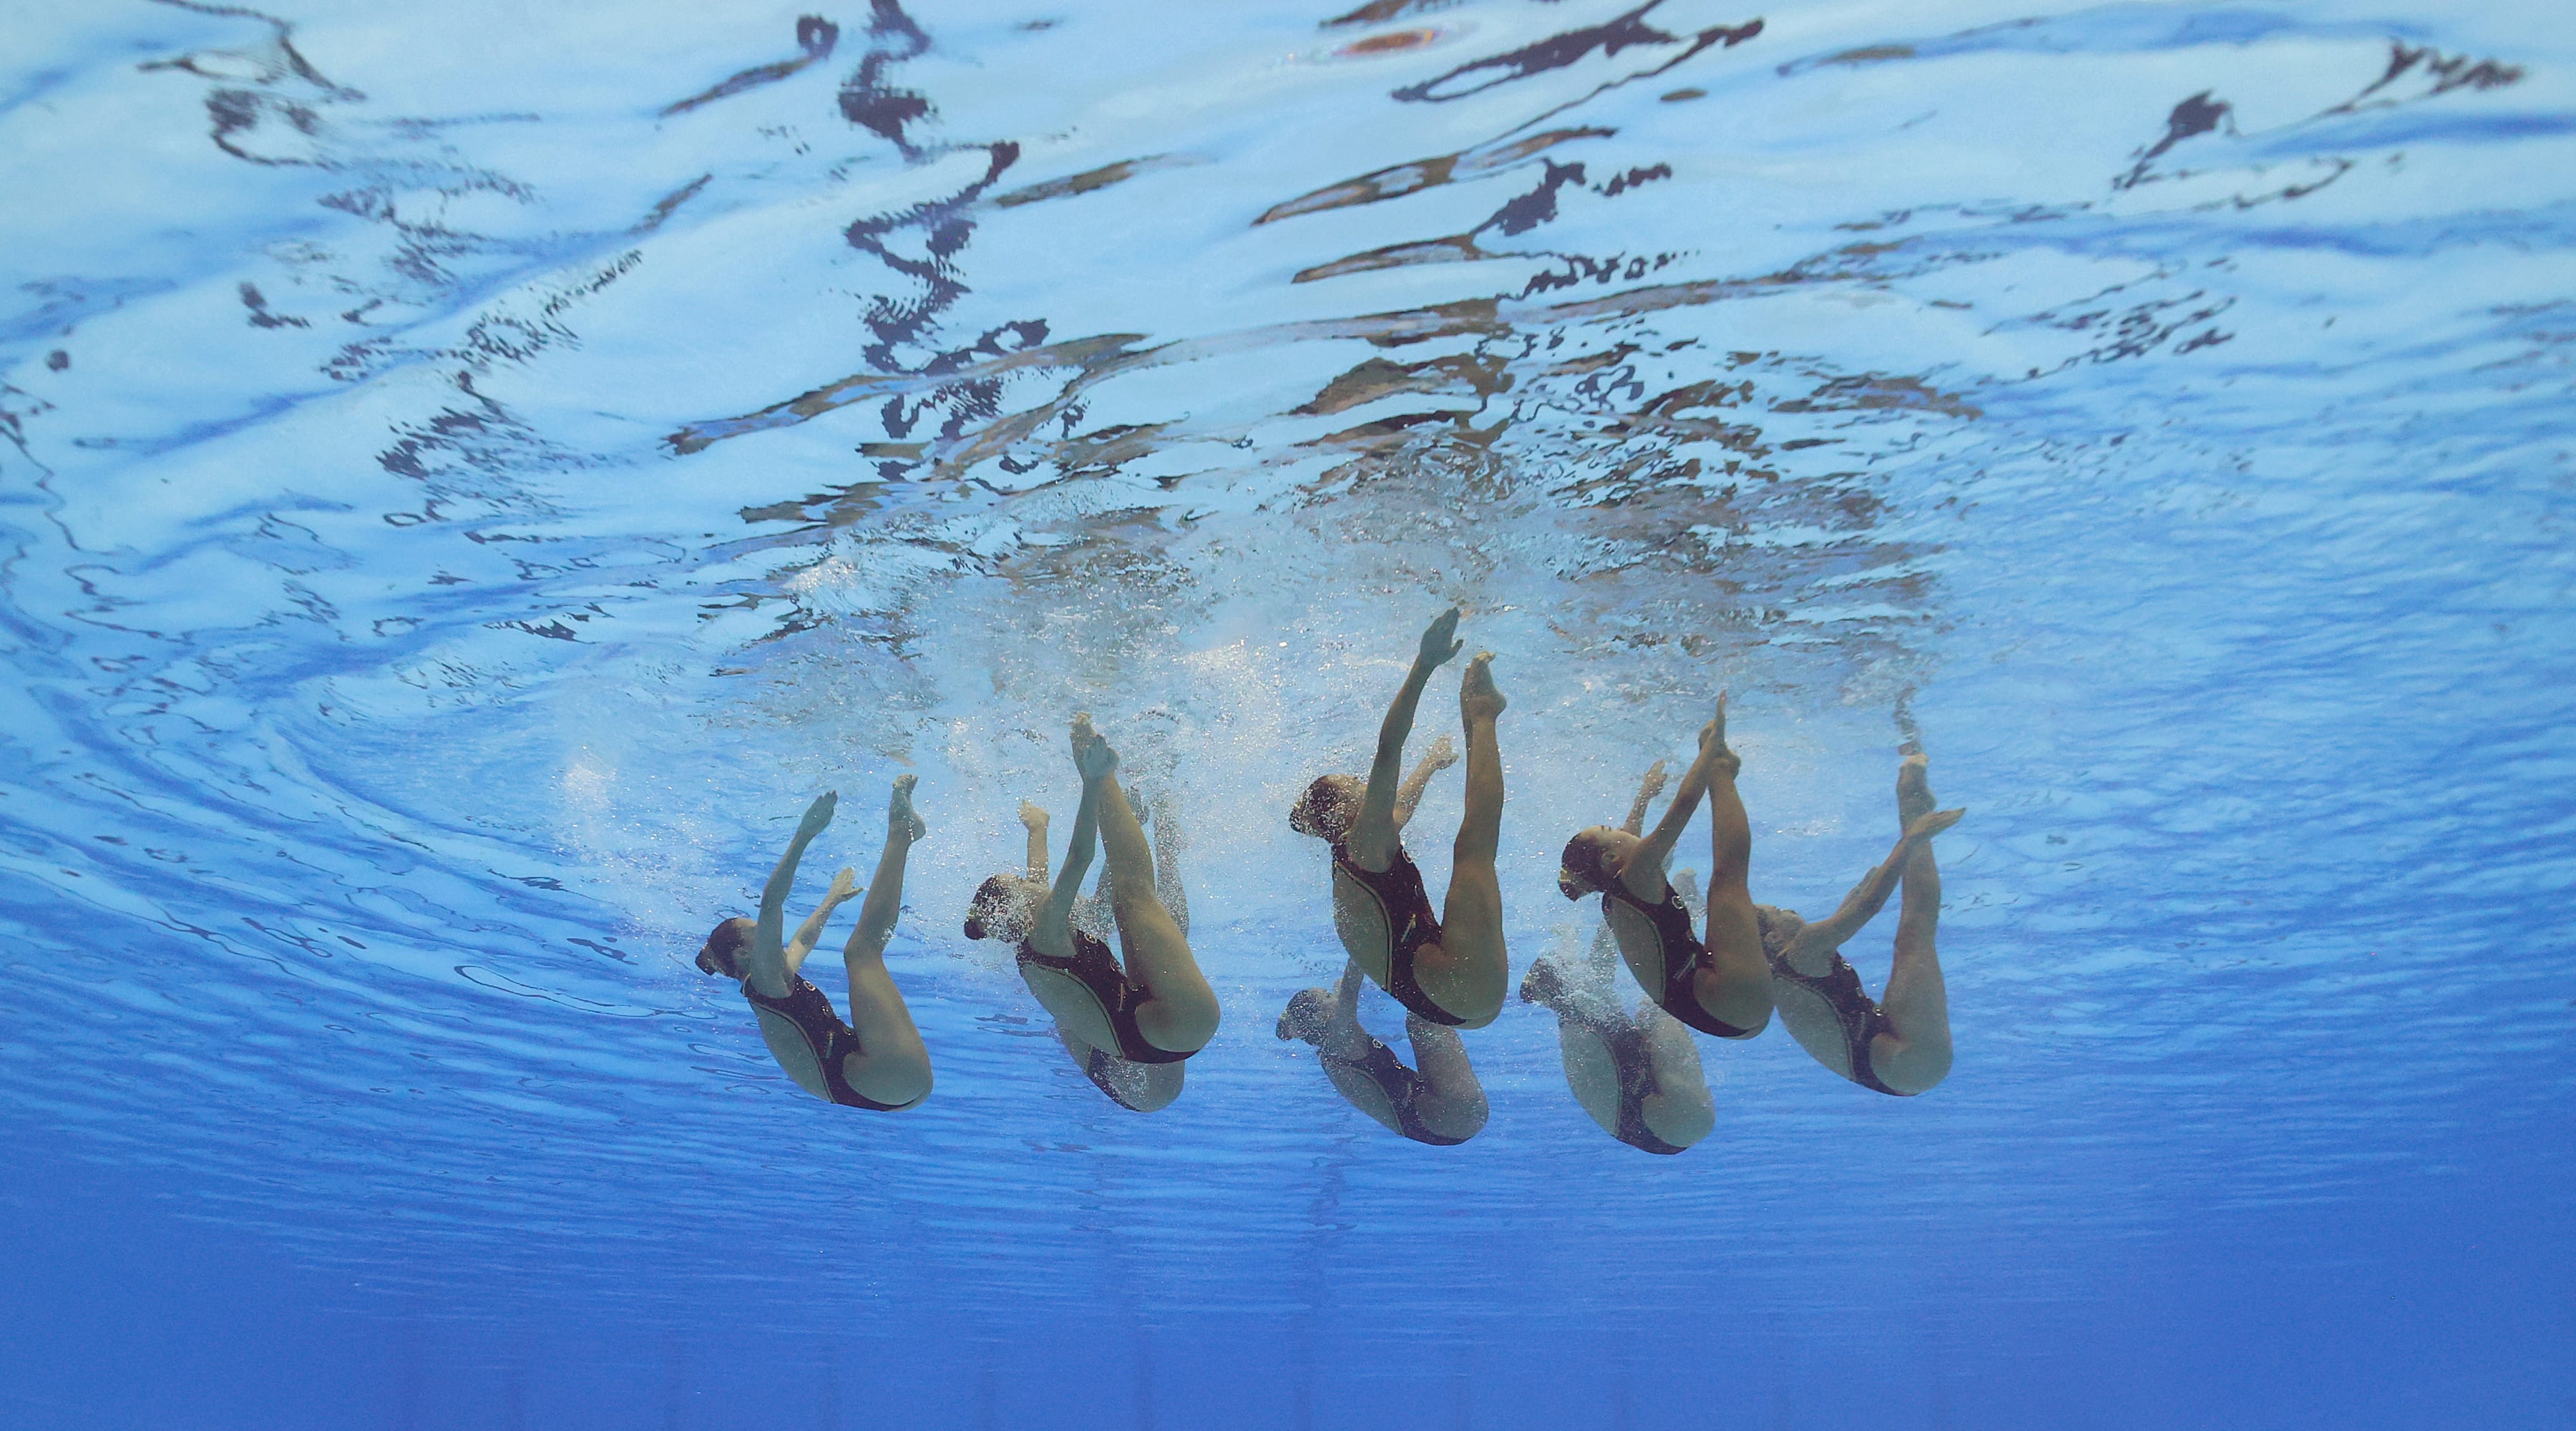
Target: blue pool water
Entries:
(473, 471)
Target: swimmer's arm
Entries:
(1373, 834)
(1658, 847)
(1647, 790)
(1343, 1036)
(1441, 756)
(1036, 820)
(1054, 933)
(844, 884)
(766, 935)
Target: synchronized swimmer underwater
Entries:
(1132, 1018)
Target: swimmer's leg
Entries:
(1735, 984)
(892, 1066)
(1180, 1011)
(1915, 1053)
(1169, 841)
(1679, 1110)
(1451, 1102)
(1468, 974)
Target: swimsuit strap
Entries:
(1402, 1087)
(1118, 996)
(1860, 1016)
(1410, 924)
(1672, 926)
(826, 1037)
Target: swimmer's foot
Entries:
(901, 821)
(1933, 824)
(1913, 791)
(1477, 698)
(1545, 987)
(1095, 759)
(1306, 1018)
(1728, 762)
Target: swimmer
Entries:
(876, 1061)
(1900, 1046)
(1158, 1008)
(1442, 1105)
(1138, 1087)
(1719, 986)
(1451, 969)
(1637, 1074)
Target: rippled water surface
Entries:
(473, 471)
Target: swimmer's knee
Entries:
(1460, 1118)
(1682, 1121)
(1910, 1069)
(892, 1079)
(1179, 1025)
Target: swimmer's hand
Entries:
(1440, 640)
(844, 884)
(1032, 816)
(1652, 786)
(1442, 754)
(818, 816)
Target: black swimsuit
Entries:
(1672, 925)
(826, 1037)
(1627, 1045)
(1402, 1087)
(1092, 968)
(1410, 924)
(1860, 1016)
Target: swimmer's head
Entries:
(1592, 859)
(1001, 909)
(1328, 809)
(1305, 1018)
(1778, 926)
(722, 953)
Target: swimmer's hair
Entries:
(1304, 1017)
(990, 910)
(1776, 926)
(1312, 813)
(1582, 862)
(722, 953)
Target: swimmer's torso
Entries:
(811, 1044)
(1378, 1084)
(1831, 1018)
(1612, 1077)
(1386, 924)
